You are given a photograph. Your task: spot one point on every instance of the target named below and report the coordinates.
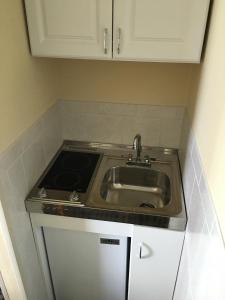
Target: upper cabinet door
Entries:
(70, 28)
(159, 30)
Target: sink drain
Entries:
(149, 205)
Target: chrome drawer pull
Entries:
(105, 40)
(119, 40)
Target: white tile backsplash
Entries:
(207, 204)
(51, 131)
(202, 268)
(20, 166)
(196, 161)
(170, 132)
(33, 162)
(118, 123)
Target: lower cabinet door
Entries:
(154, 262)
(86, 266)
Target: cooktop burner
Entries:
(72, 171)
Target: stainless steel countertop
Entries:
(93, 206)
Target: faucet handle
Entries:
(130, 157)
(147, 159)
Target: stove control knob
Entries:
(42, 193)
(74, 196)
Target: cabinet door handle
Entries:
(147, 253)
(140, 251)
(105, 38)
(119, 40)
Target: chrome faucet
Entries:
(137, 161)
(137, 146)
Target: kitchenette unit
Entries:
(109, 221)
(120, 217)
(107, 178)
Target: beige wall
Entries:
(207, 109)
(27, 85)
(125, 82)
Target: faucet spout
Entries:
(137, 146)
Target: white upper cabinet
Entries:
(70, 28)
(143, 30)
(159, 30)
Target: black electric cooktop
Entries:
(71, 171)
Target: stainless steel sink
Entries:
(149, 190)
(136, 187)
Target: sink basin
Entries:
(127, 186)
(143, 195)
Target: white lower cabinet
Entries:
(154, 262)
(132, 262)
